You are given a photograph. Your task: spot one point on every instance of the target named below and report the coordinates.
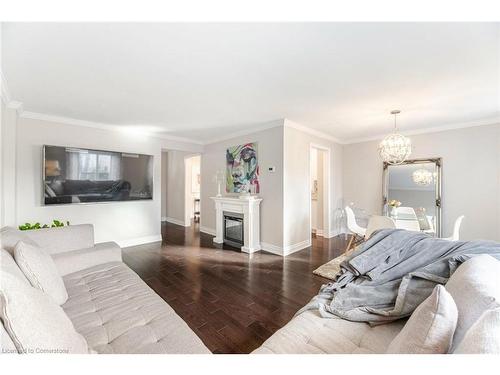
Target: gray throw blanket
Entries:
(388, 276)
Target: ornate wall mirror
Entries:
(412, 195)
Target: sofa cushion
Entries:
(63, 239)
(35, 323)
(118, 313)
(484, 335)
(10, 236)
(309, 333)
(430, 328)
(40, 270)
(475, 288)
(77, 260)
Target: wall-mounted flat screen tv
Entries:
(78, 175)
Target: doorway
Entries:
(192, 203)
(319, 180)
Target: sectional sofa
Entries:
(470, 326)
(104, 307)
(107, 303)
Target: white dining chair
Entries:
(407, 219)
(358, 232)
(456, 229)
(377, 222)
(351, 223)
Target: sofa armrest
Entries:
(77, 260)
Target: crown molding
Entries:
(430, 130)
(314, 132)
(98, 125)
(241, 133)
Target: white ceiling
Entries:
(204, 80)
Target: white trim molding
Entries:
(139, 241)
(308, 130)
(270, 248)
(290, 249)
(430, 130)
(251, 129)
(176, 221)
(207, 230)
(100, 125)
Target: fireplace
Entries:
(237, 222)
(233, 229)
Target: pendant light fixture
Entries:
(395, 148)
(422, 177)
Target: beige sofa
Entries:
(474, 287)
(108, 304)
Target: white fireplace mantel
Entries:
(250, 208)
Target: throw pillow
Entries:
(430, 328)
(35, 323)
(475, 288)
(41, 271)
(484, 335)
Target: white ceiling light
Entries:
(395, 148)
(422, 177)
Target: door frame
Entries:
(326, 189)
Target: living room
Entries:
(250, 188)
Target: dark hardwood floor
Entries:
(233, 301)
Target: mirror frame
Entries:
(385, 187)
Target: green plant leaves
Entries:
(29, 226)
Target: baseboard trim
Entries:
(287, 250)
(290, 249)
(175, 221)
(207, 230)
(318, 232)
(139, 240)
(270, 248)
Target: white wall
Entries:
(192, 188)
(317, 211)
(470, 177)
(297, 199)
(164, 179)
(175, 187)
(3, 119)
(270, 153)
(8, 150)
(127, 223)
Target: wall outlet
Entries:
(271, 169)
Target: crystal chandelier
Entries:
(395, 148)
(422, 177)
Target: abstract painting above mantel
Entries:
(242, 169)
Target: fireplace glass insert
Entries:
(233, 229)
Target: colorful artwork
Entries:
(242, 169)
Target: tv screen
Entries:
(78, 175)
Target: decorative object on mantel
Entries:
(240, 220)
(395, 148)
(219, 178)
(242, 174)
(422, 177)
(394, 204)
